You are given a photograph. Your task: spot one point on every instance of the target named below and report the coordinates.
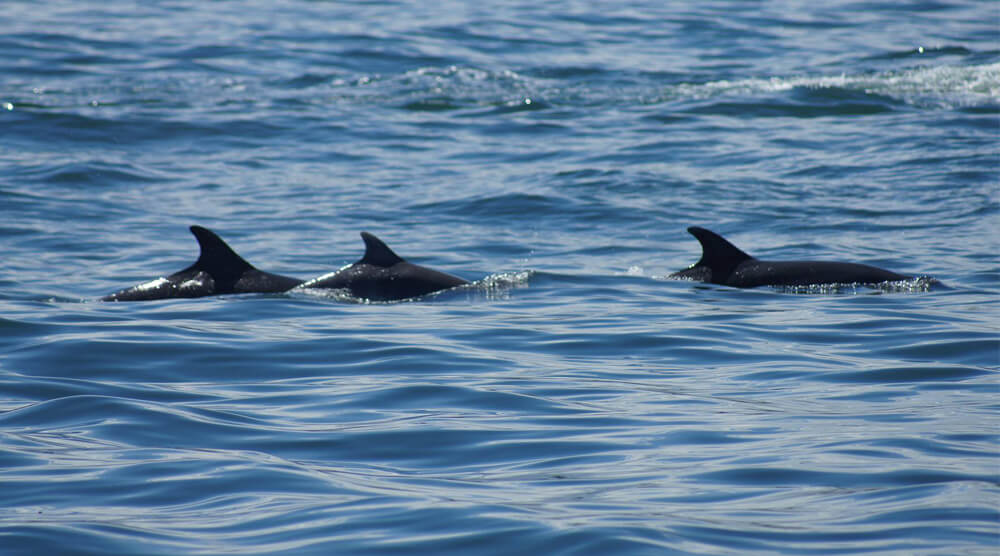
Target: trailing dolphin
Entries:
(723, 263)
(218, 270)
(382, 275)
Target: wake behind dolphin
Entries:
(218, 270)
(382, 275)
(723, 263)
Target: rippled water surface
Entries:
(574, 399)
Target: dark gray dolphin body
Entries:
(218, 270)
(724, 263)
(382, 275)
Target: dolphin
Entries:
(723, 263)
(218, 270)
(382, 275)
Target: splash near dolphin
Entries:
(725, 264)
(218, 270)
(382, 275)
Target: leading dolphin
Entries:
(724, 263)
(382, 275)
(218, 270)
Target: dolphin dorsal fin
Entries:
(217, 258)
(377, 253)
(717, 254)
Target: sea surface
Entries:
(574, 400)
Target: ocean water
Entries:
(574, 400)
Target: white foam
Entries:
(911, 285)
(940, 85)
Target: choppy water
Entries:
(576, 401)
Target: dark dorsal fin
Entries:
(717, 253)
(217, 258)
(377, 253)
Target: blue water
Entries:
(574, 400)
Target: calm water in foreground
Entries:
(573, 400)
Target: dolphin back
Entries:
(382, 275)
(723, 263)
(218, 270)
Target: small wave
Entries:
(917, 373)
(498, 286)
(337, 294)
(455, 88)
(90, 173)
(497, 206)
(499, 92)
(438, 89)
(918, 284)
(946, 86)
(923, 52)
